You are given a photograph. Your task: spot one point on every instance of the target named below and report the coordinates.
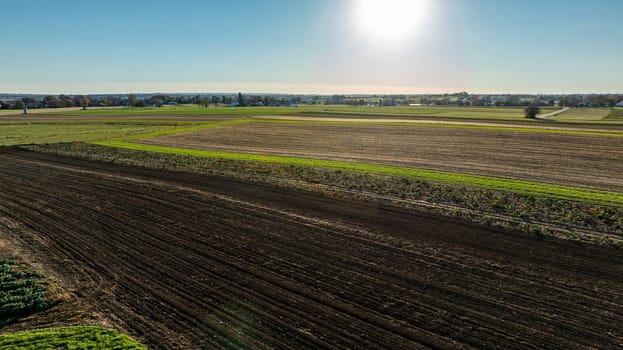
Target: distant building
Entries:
(620, 104)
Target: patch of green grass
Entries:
(518, 186)
(69, 338)
(583, 114)
(21, 291)
(615, 114)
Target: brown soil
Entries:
(190, 261)
(587, 161)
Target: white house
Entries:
(620, 104)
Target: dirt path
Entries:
(189, 261)
(553, 114)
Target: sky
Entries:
(311, 46)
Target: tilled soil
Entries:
(567, 159)
(185, 261)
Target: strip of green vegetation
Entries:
(21, 291)
(519, 186)
(69, 338)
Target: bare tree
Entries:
(532, 111)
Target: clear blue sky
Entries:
(71, 46)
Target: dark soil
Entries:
(192, 261)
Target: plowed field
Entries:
(189, 261)
(565, 159)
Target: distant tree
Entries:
(50, 102)
(132, 100)
(204, 102)
(84, 102)
(532, 111)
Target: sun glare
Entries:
(390, 20)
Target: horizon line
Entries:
(267, 88)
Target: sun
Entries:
(390, 20)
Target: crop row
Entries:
(21, 291)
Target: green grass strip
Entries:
(519, 186)
(69, 338)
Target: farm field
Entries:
(186, 261)
(478, 113)
(606, 116)
(588, 161)
(13, 133)
(584, 114)
(14, 112)
(616, 114)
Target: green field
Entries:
(493, 113)
(615, 114)
(37, 131)
(583, 114)
(42, 132)
(69, 338)
(519, 186)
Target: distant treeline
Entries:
(457, 99)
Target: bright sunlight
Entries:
(391, 21)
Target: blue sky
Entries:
(315, 46)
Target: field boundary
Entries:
(518, 186)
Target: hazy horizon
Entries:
(312, 47)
